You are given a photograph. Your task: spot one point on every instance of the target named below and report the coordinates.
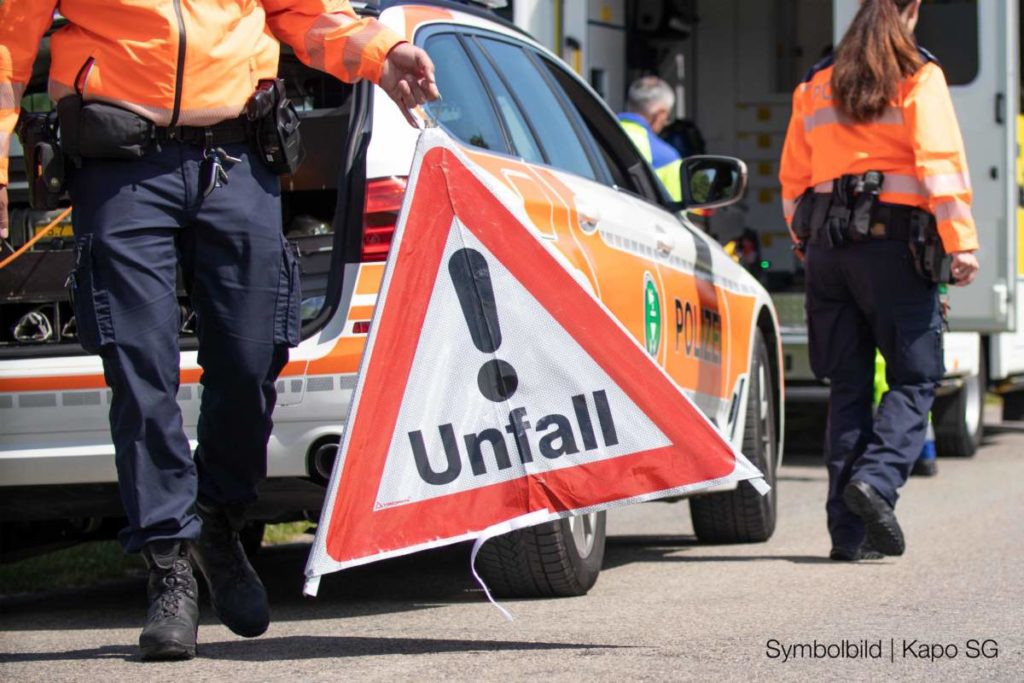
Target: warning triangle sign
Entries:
(494, 387)
(538, 425)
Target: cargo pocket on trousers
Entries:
(919, 335)
(289, 297)
(90, 303)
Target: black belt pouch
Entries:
(97, 130)
(801, 223)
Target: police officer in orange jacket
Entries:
(153, 93)
(874, 180)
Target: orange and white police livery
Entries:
(700, 315)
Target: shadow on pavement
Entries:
(624, 550)
(311, 647)
(1004, 428)
(417, 582)
(799, 479)
(308, 647)
(651, 541)
(813, 461)
(123, 652)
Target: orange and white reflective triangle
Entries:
(495, 391)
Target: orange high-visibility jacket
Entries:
(178, 62)
(916, 143)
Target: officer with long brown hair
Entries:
(877, 194)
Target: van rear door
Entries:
(976, 42)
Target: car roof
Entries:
(471, 7)
(389, 158)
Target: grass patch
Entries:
(90, 563)
(80, 565)
(290, 532)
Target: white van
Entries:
(735, 63)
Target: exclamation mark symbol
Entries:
(472, 279)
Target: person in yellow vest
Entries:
(648, 110)
(925, 465)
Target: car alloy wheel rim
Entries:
(973, 404)
(584, 532)
(764, 413)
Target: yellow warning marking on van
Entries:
(63, 230)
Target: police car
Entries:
(526, 118)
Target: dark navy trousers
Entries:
(862, 296)
(135, 222)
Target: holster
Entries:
(865, 191)
(44, 160)
(275, 122)
(815, 221)
(801, 224)
(929, 256)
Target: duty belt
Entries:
(852, 213)
(886, 221)
(227, 132)
(892, 221)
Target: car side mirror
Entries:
(712, 181)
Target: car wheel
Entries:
(743, 515)
(958, 418)
(1013, 406)
(557, 559)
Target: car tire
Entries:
(556, 559)
(958, 418)
(1013, 406)
(743, 515)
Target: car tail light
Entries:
(383, 202)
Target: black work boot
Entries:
(845, 554)
(173, 617)
(237, 594)
(883, 530)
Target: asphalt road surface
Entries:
(664, 608)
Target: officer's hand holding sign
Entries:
(408, 79)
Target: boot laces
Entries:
(175, 587)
